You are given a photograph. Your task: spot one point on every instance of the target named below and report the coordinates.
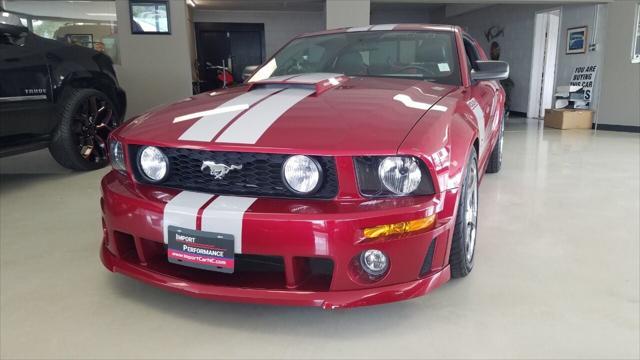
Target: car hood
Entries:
(320, 114)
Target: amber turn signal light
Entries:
(400, 228)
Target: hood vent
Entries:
(319, 82)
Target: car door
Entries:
(25, 89)
(483, 103)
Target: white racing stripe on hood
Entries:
(313, 78)
(214, 120)
(225, 215)
(182, 211)
(249, 127)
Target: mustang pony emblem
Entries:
(218, 170)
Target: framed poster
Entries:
(150, 17)
(577, 40)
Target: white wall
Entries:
(580, 15)
(279, 26)
(399, 15)
(155, 69)
(517, 42)
(346, 13)
(515, 45)
(620, 104)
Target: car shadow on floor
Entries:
(15, 182)
(36, 162)
(309, 321)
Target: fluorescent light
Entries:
(191, 3)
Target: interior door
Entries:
(214, 50)
(238, 45)
(245, 51)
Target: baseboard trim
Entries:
(622, 128)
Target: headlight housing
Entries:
(400, 175)
(153, 164)
(302, 174)
(388, 176)
(116, 155)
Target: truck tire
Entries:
(85, 119)
(463, 241)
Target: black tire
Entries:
(461, 263)
(495, 161)
(80, 140)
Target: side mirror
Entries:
(490, 70)
(10, 24)
(248, 71)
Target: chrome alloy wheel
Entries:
(471, 212)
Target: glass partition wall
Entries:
(91, 24)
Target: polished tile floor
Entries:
(557, 273)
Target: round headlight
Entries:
(153, 163)
(302, 174)
(116, 155)
(400, 175)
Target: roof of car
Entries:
(385, 27)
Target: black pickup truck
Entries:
(56, 95)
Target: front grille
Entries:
(260, 174)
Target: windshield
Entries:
(427, 55)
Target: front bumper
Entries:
(298, 232)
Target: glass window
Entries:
(46, 28)
(91, 24)
(472, 54)
(428, 55)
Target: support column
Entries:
(154, 69)
(347, 13)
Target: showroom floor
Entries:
(557, 273)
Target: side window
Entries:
(472, 54)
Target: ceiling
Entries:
(258, 5)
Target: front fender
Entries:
(443, 138)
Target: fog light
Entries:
(374, 262)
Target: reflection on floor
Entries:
(556, 273)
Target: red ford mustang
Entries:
(343, 173)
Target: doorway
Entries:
(230, 45)
(545, 58)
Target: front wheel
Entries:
(463, 243)
(86, 117)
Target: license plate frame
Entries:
(204, 250)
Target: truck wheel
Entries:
(463, 242)
(495, 161)
(85, 119)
